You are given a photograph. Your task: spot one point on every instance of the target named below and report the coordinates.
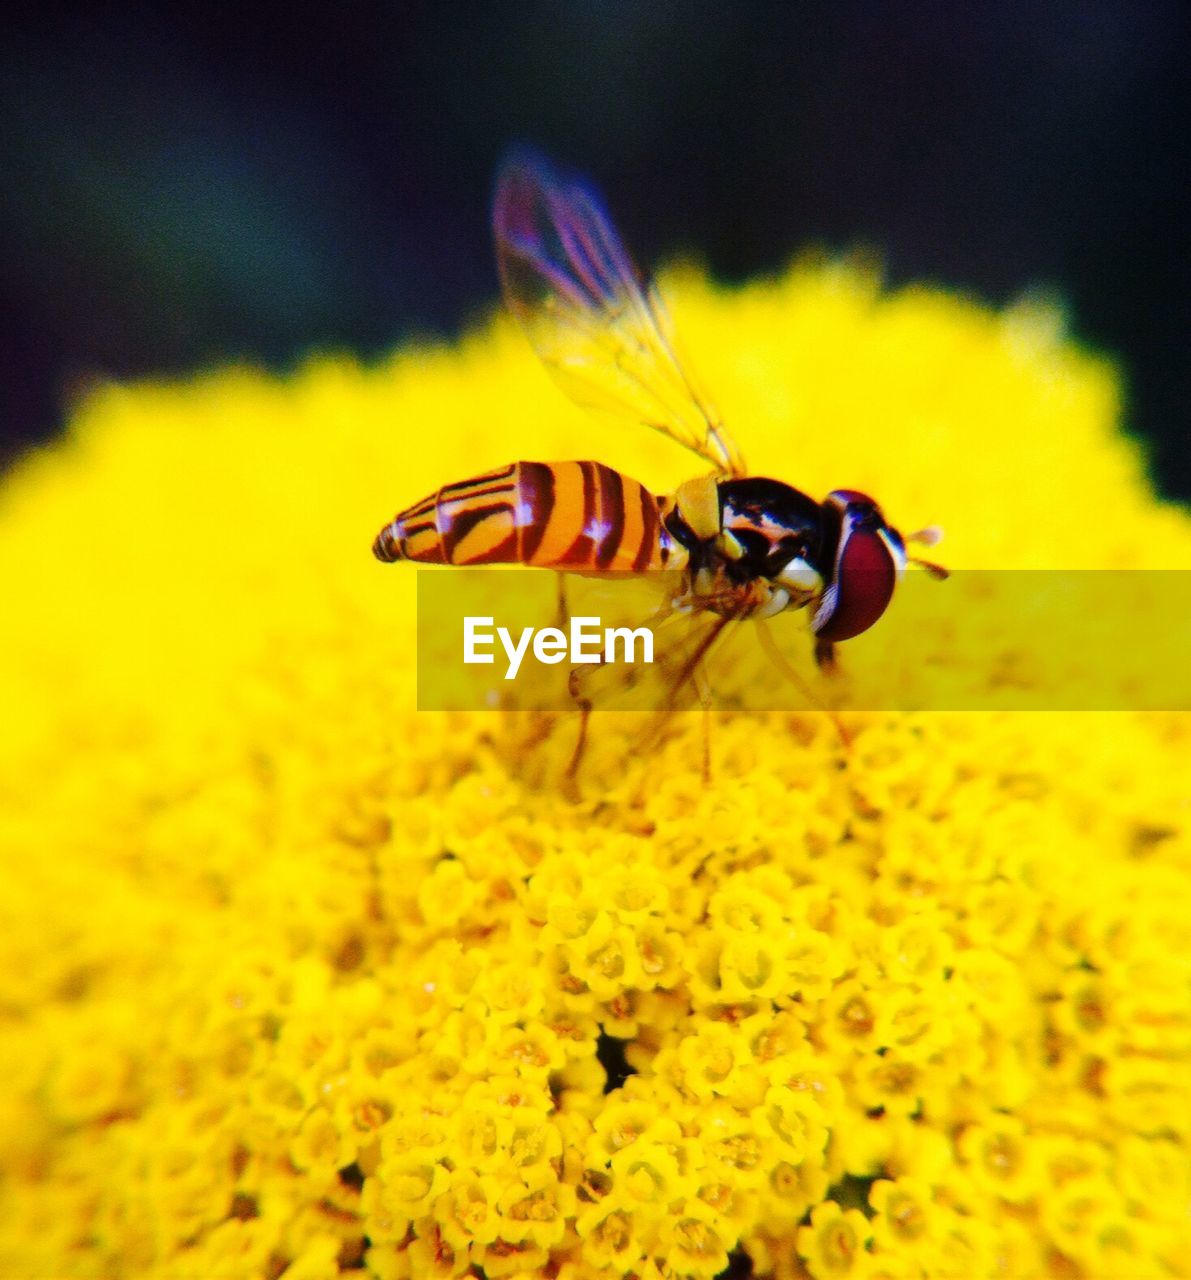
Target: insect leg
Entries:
(690, 669)
(703, 689)
(779, 660)
(601, 683)
(584, 703)
(825, 657)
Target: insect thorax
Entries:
(754, 546)
(771, 523)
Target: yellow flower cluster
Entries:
(296, 980)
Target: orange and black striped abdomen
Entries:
(553, 515)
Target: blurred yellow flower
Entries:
(295, 979)
(834, 1243)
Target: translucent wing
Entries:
(598, 328)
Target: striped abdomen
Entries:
(555, 515)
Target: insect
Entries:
(737, 546)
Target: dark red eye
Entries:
(867, 560)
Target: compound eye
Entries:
(866, 569)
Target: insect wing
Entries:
(600, 331)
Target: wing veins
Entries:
(599, 328)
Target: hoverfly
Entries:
(738, 546)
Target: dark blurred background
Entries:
(183, 183)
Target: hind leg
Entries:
(584, 704)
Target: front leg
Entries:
(825, 657)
